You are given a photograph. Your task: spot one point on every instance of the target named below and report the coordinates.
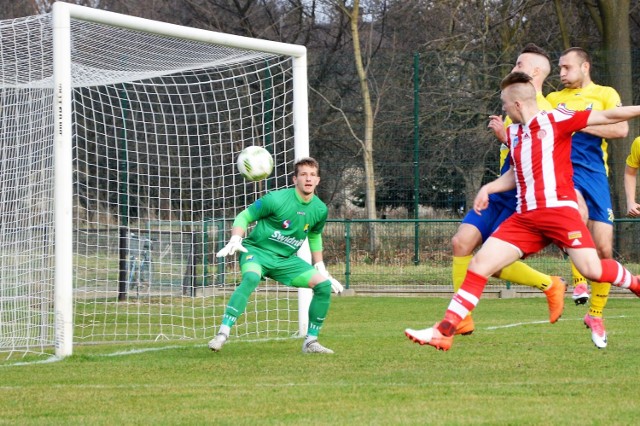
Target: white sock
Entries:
(225, 329)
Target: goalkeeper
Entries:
(285, 218)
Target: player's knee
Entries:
(250, 281)
(461, 246)
(323, 289)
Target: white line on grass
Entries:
(136, 351)
(518, 324)
(44, 361)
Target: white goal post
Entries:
(119, 136)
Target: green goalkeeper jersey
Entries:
(284, 221)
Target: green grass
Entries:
(530, 373)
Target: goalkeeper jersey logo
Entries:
(283, 239)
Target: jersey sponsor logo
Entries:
(288, 241)
(574, 235)
(306, 228)
(286, 224)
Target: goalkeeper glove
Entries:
(335, 284)
(234, 244)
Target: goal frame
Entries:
(62, 13)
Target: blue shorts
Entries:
(594, 187)
(490, 219)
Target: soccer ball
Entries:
(255, 163)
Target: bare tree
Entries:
(616, 47)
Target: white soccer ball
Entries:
(255, 163)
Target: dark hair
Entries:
(515, 78)
(534, 48)
(582, 54)
(306, 161)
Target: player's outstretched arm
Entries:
(608, 131)
(613, 115)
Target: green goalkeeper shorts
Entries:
(291, 271)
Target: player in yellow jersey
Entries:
(631, 177)
(589, 159)
(476, 228)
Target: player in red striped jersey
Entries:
(547, 210)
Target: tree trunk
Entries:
(617, 57)
(367, 155)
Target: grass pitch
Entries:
(515, 369)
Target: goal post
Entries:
(145, 121)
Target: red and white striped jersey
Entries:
(541, 158)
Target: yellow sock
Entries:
(599, 297)
(459, 270)
(521, 273)
(578, 278)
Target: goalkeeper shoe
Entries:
(555, 298)
(313, 347)
(217, 342)
(598, 334)
(466, 326)
(580, 294)
(430, 336)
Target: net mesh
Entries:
(157, 125)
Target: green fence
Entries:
(414, 256)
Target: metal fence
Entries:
(413, 257)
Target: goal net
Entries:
(118, 181)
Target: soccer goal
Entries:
(117, 176)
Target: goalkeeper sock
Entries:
(459, 270)
(240, 297)
(578, 278)
(599, 297)
(318, 308)
(463, 302)
(521, 273)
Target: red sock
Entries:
(616, 274)
(463, 302)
